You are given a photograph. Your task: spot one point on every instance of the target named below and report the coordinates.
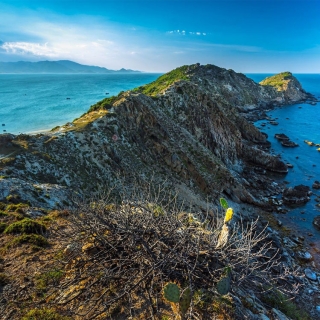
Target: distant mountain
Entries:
(61, 66)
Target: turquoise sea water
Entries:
(33, 102)
(299, 122)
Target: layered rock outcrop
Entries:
(185, 129)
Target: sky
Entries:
(249, 36)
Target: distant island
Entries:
(60, 66)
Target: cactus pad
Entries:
(223, 285)
(185, 301)
(224, 203)
(171, 292)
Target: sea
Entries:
(299, 122)
(31, 103)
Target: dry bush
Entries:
(121, 255)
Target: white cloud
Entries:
(25, 48)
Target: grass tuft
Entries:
(44, 314)
(26, 225)
(34, 239)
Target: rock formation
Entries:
(185, 128)
(184, 133)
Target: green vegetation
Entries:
(277, 80)
(47, 278)
(17, 207)
(33, 239)
(278, 300)
(44, 314)
(26, 225)
(105, 103)
(163, 82)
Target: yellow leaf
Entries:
(229, 214)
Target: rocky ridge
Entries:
(185, 130)
(191, 131)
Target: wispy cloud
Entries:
(184, 32)
(25, 48)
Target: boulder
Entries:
(311, 275)
(316, 222)
(305, 256)
(316, 185)
(288, 143)
(296, 195)
(281, 136)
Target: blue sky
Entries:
(265, 36)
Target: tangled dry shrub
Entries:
(118, 257)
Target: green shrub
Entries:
(47, 278)
(278, 300)
(26, 225)
(34, 239)
(17, 207)
(44, 314)
(2, 206)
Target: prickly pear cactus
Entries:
(171, 292)
(185, 301)
(224, 203)
(224, 284)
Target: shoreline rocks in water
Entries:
(296, 195)
(288, 143)
(316, 222)
(281, 136)
(285, 140)
(316, 185)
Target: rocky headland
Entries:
(190, 132)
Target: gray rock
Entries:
(296, 195)
(263, 317)
(278, 315)
(316, 222)
(310, 274)
(306, 256)
(316, 185)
